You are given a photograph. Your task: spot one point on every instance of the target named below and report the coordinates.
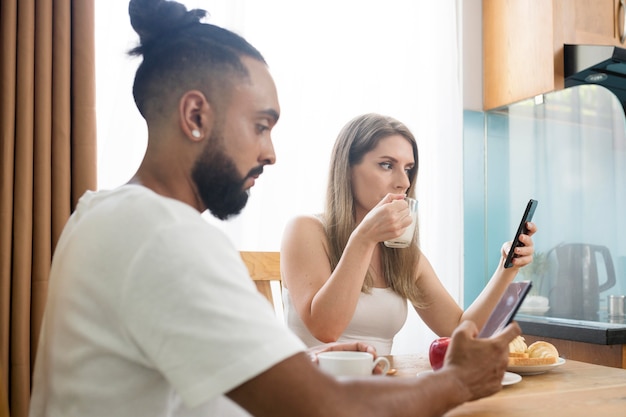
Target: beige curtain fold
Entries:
(47, 160)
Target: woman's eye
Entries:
(386, 165)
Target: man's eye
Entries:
(262, 128)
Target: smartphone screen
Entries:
(506, 308)
(528, 216)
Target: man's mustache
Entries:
(255, 172)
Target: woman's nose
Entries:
(402, 181)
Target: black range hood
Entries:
(609, 71)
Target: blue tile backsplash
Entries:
(566, 149)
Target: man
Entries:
(151, 311)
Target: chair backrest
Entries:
(264, 267)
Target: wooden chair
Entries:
(264, 267)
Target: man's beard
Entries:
(219, 184)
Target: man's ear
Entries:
(196, 115)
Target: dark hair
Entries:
(180, 54)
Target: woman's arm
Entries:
(486, 301)
(326, 299)
(442, 314)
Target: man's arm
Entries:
(473, 369)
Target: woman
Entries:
(340, 282)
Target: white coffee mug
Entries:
(349, 363)
(404, 240)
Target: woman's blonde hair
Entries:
(358, 137)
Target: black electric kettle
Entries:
(577, 287)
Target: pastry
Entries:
(538, 353)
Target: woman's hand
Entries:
(523, 254)
(387, 220)
(349, 346)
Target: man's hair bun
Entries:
(181, 53)
(152, 19)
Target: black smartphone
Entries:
(528, 216)
(506, 308)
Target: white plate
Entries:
(536, 369)
(509, 377)
(533, 310)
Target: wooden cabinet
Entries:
(523, 43)
(584, 22)
(517, 50)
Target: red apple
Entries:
(437, 352)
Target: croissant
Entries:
(538, 353)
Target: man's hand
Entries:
(479, 363)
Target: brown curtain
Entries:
(47, 160)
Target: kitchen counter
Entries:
(597, 332)
(602, 343)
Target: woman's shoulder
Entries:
(308, 221)
(301, 226)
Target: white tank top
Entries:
(377, 318)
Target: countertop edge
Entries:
(575, 332)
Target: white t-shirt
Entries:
(378, 317)
(150, 312)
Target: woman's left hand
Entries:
(351, 346)
(523, 254)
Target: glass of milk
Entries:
(404, 240)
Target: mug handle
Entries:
(384, 362)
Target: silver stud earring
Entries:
(195, 133)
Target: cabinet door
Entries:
(517, 50)
(586, 22)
